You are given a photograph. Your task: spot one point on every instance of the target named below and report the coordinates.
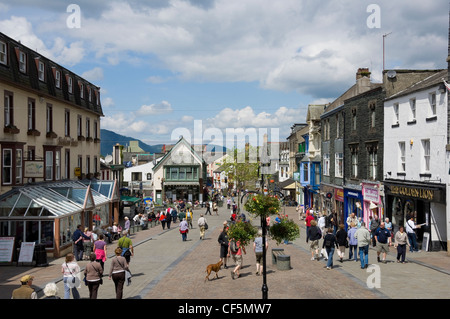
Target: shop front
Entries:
(48, 213)
(426, 203)
(353, 203)
(373, 203)
(333, 201)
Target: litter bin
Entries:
(41, 255)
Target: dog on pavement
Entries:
(213, 267)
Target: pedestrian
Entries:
(162, 219)
(173, 213)
(223, 241)
(168, 220)
(412, 237)
(341, 237)
(127, 224)
(351, 219)
(330, 243)
(100, 250)
(208, 208)
(93, 274)
(71, 270)
(126, 245)
(87, 243)
(309, 218)
(189, 217)
(235, 252)
(362, 235)
(383, 239)
(315, 234)
(25, 291)
(374, 224)
(401, 240)
(352, 242)
(51, 291)
(321, 222)
(215, 208)
(117, 272)
(259, 251)
(78, 247)
(202, 225)
(184, 229)
(388, 226)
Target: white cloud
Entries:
(153, 109)
(93, 75)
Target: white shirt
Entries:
(410, 226)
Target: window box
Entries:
(51, 135)
(89, 139)
(81, 138)
(431, 119)
(411, 122)
(11, 129)
(96, 140)
(33, 132)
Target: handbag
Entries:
(73, 277)
(206, 226)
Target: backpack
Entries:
(233, 247)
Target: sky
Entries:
(210, 69)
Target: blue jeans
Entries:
(364, 255)
(330, 252)
(68, 285)
(353, 250)
(413, 242)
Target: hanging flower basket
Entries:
(287, 229)
(263, 205)
(243, 232)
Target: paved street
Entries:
(165, 267)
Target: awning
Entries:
(288, 184)
(130, 199)
(181, 184)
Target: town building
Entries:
(416, 166)
(179, 175)
(50, 139)
(332, 123)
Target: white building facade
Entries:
(416, 160)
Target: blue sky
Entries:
(229, 63)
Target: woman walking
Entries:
(329, 243)
(401, 240)
(341, 237)
(117, 272)
(70, 270)
(93, 273)
(184, 229)
(223, 241)
(100, 250)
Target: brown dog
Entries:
(213, 267)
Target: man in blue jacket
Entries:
(383, 238)
(77, 239)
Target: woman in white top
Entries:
(70, 270)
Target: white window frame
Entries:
(373, 162)
(326, 164)
(58, 79)
(412, 105)
(70, 84)
(3, 53)
(354, 162)
(426, 147)
(7, 166)
(48, 165)
(41, 71)
(18, 161)
(402, 156)
(396, 109)
(339, 165)
(432, 99)
(22, 62)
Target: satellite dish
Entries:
(391, 74)
(108, 159)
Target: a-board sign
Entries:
(26, 252)
(6, 249)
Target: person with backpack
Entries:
(189, 217)
(330, 243)
(315, 234)
(235, 251)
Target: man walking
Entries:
(362, 235)
(383, 239)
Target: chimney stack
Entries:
(362, 72)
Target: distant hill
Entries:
(108, 139)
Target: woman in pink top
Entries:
(100, 250)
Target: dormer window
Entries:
(3, 53)
(41, 71)
(81, 90)
(58, 79)
(70, 84)
(22, 62)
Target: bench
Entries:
(280, 259)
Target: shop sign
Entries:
(371, 194)
(339, 194)
(416, 192)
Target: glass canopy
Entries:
(55, 199)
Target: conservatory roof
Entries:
(54, 199)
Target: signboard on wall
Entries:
(33, 169)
